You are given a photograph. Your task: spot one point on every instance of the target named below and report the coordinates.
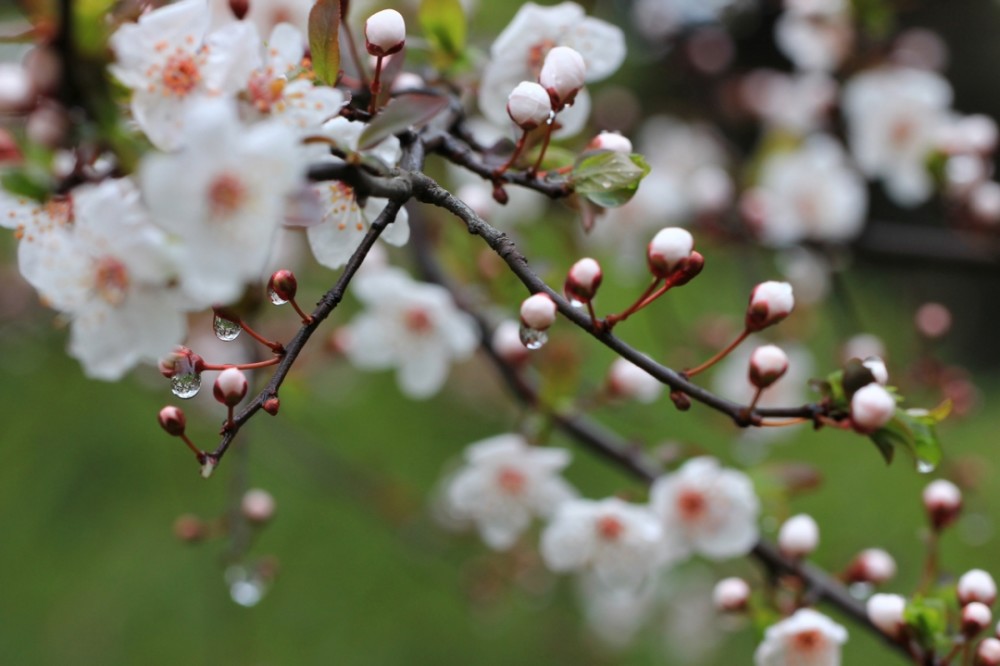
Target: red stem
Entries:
(243, 366)
(719, 356)
(376, 86)
(517, 153)
(276, 347)
(306, 318)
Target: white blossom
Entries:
(811, 193)
(706, 509)
(620, 543)
(344, 221)
(627, 380)
(893, 117)
(658, 19)
(518, 52)
(815, 35)
(168, 59)
(796, 103)
(110, 272)
(222, 197)
(408, 325)
(266, 14)
(807, 638)
(504, 484)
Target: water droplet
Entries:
(185, 385)
(226, 329)
(532, 338)
(576, 304)
(245, 587)
(925, 467)
(275, 299)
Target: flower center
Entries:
(265, 90)
(610, 528)
(808, 641)
(111, 280)
(691, 505)
(511, 481)
(902, 132)
(416, 320)
(180, 74)
(537, 53)
(226, 194)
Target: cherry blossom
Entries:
(807, 638)
(168, 58)
(411, 326)
(222, 198)
(266, 14)
(815, 34)
(518, 52)
(893, 116)
(619, 542)
(797, 103)
(706, 510)
(344, 221)
(504, 483)
(110, 272)
(657, 19)
(811, 193)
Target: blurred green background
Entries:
(92, 573)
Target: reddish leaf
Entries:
(413, 110)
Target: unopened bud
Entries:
(563, 74)
(886, 612)
(172, 420)
(17, 94)
(681, 400)
(731, 595)
(583, 280)
(189, 528)
(976, 585)
(271, 405)
(612, 141)
(282, 286)
(876, 366)
(873, 565)
(943, 502)
(47, 125)
(181, 361)
(669, 247)
(529, 105)
(988, 652)
(239, 8)
(871, 408)
(687, 269)
(799, 536)
(385, 32)
(230, 387)
(770, 302)
(257, 505)
(976, 616)
(506, 342)
(629, 381)
(538, 311)
(767, 365)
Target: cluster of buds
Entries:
(531, 105)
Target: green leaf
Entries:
(886, 441)
(608, 178)
(928, 618)
(413, 110)
(914, 431)
(444, 25)
(324, 40)
(18, 181)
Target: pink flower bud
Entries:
(943, 502)
(886, 612)
(583, 280)
(976, 616)
(988, 652)
(799, 536)
(871, 408)
(172, 420)
(629, 381)
(563, 74)
(612, 141)
(767, 364)
(507, 343)
(181, 361)
(230, 387)
(529, 105)
(282, 286)
(976, 585)
(873, 565)
(538, 311)
(876, 366)
(271, 405)
(669, 247)
(770, 302)
(385, 32)
(257, 505)
(731, 595)
(688, 269)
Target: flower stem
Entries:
(276, 347)
(376, 86)
(545, 146)
(640, 302)
(513, 157)
(306, 318)
(244, 366)
(719, 356)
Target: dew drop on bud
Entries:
(245, 587)
(226, 329)
(925, 466)
(275, 299)
(185, 385)
(533, 338)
